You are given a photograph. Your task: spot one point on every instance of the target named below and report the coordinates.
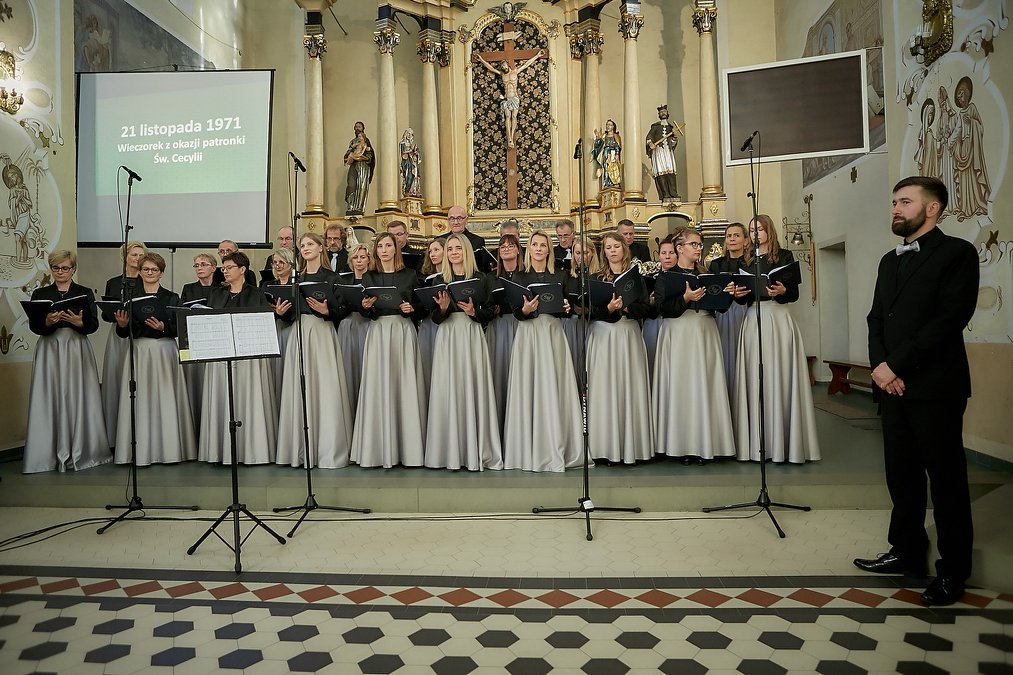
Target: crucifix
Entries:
(507, 68)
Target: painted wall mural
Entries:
(32, 222)
(958, 130)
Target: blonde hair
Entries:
(206, 256)
(773, 244)
(129, 245)
(285, 255)
(62, 254)
(353, 249)
(469, 258)
(590, 258)
(606, 269)
(550, 263)
(316, 238)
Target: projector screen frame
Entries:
(730, 144)
(268, 239)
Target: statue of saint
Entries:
(511, 95)
(661, 144)
(361, 160)
(608, 153)
(967, 147)
(411, 186)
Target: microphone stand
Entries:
(584, 502)
(311, 503)
(135, 503)
(763, 500)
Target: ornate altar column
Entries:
(586, 41)
(712, 194)
(430, 49)
(315, 44)
(387, 150)
(630, 23)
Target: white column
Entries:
(387, 150)
(315, 46)
(585, 43)
(704, 16)
(630, 23)
(430, 52)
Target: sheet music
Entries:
(210, 337)
(256, 334)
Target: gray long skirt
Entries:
(618, 393)
(278, 364)
(573, 329)
(542, 430)
(328, 413)
(66, 430)
(651, 329)
(427, 341)
(390, 421)
(463, 429)
(691, 412)
(254, 406)
(729, 326)
(499, 335)
(790, 420)
(193, 376)
(352, 333)
(116, 353)
(164, 428)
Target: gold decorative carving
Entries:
(630, 25)
(715, 209)
(705, 13)
(386, 39)
(465, 34)
(936, 35)
(429, 50)
(315, 45)
(552, 30)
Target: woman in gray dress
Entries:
(500, 332)
(573, 325)
(204, 266)
(282, 266)
(652, 324)
(353, 329)
(431, 273)
(730, 321)
(117, 346)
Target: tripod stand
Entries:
(135, 503)
(235, 509)
(763, 500)
(584, 502)
(310, 504)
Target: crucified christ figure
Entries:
(511, 96)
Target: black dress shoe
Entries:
(943, 591)
(889, 563)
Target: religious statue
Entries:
(661, 144)
(927, 154)
(607, 152)
(511, 102)
(361, 160)
(967, 147)
(410, 183)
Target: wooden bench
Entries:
(841, 380)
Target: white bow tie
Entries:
(907, 248)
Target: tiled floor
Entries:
(672, 593)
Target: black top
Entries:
(563, 257)
(115, 285)
(785, 258)
(639, 250)
(640, 309)
(673, 307)
(142, 330)
(338, 260)
(484, 312)
(52, 293)
(405, 280)
(725, 264)
(196, 291)
(532, 277)
(502, 306)
(337, 310)
(248, 296)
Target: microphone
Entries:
(577, 148)
(133, 176)
(298, 164)
(748, 143)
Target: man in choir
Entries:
(400, 232)
(564, 234)
(627, 230)
(457, 219)
(925, 295)
(282, 240)
(337, 256)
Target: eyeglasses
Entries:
(692, 244)
(61, 268)
(280, 263)
(150, 270)
(199, 265)
(457, 218)
(228, 268)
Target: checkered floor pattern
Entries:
(84, 620)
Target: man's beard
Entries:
(907, 226)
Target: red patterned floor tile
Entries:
(1005, 597)
(19, 584)
(273, 592)
(908, 595)
(410, 596)
(366, 594)
(142, 589)
(508, 598)
(184, 589)
(708, 598)
(228, 590)
(557, 598)
(101, 587)
(461, 596)
(757, 597)
(657, 598)
(811, 597)
(607, 598)
(317, 594)
(862, 597)
(57, 586)
(975, 600)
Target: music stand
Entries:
(228, 335)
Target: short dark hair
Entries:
(239, 258)
(932, 187)
(625, 221)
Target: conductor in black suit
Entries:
(925, 295)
